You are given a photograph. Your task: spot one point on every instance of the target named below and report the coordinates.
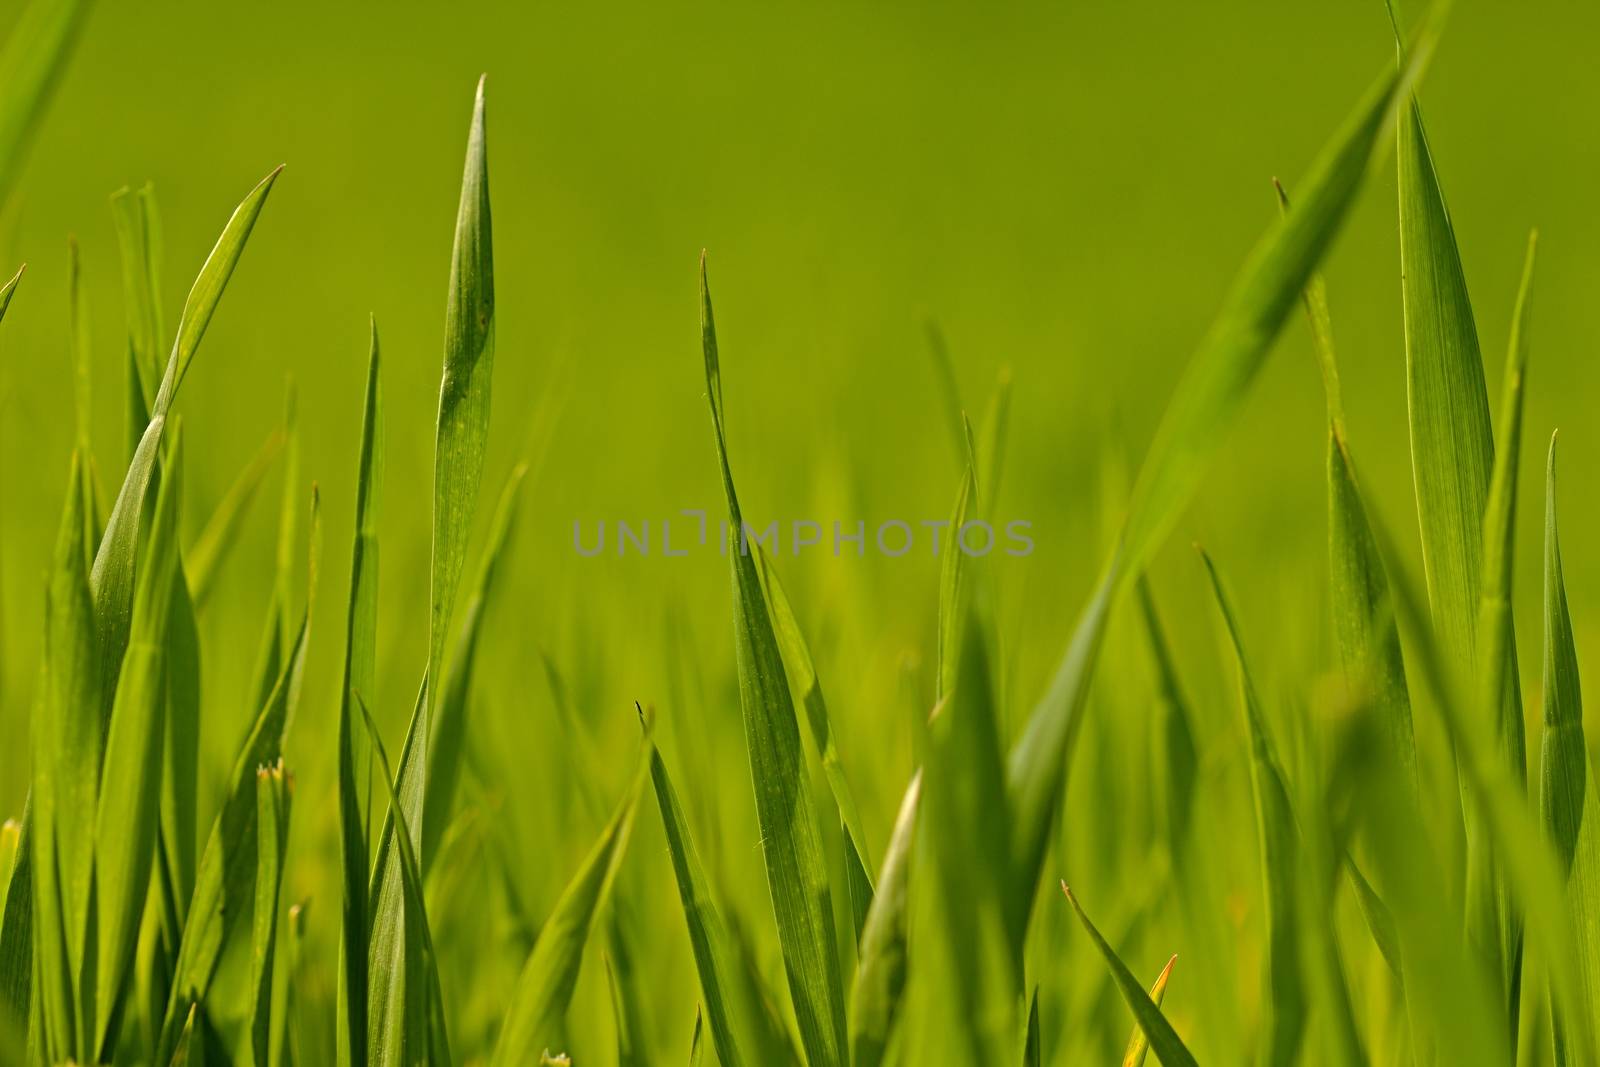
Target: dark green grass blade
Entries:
(543, 990)
(1568, 804)
(1284, 996)
(16, 931)
(221, 532)
(1032, 1043)
(1138, 1044)
(128, 816)
(802, 674)
(714, 958)
(796, 874)
(31, 63)
(875, 999)
(1210, 394)
(1164, 1040)
(450, 723)
(273, 788)
(112, 576)
(359, 676)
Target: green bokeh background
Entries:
(1067, 190)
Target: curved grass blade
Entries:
(1210, 394)
(128, 815)
(112, 576)
(9, 289)
(1284, 997)
(273, 792)
(221, 531)
(1568, 804)
(802, 674)
(1169, 1048)
(31, 64)
(1138, 1044)
(796, 874)
(875, 999)
(544, 988)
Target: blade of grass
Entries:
(1568, 806)
(9, 289)
(221, 531)
(544, 988)
(796, 874)
(273, 791)
(875, 999)
(1284, 996)
(31, 64)
(78, 333)
(16, 927)
(1138, 1044)
(1169, 1048)
(802, 674)
(138, 225)
(1032, 1045)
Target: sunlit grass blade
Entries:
(796, 874)
(876, 997)
(714, 958)
(423, 1036)
(273, 791)
(128, 816)
(802, 674)
(1284, 995)
(9, 289)
(1138, 1044)
(1568, 802)
(31, 63)
(361, 624)
(1204, 404)
(544, 988)
(221, 532)
(1163, 1039)
(190, 1050)
(445, 753)
(225, 876)
(112, 576)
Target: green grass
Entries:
(215, 860)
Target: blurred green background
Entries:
(1065, 189)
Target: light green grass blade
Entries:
(1568, 804)
(424, 1039)
(273, 789)
(9, 289)
(952, 584)
(138, 225)
(802, 674)
(191, 1048)
(715, 963)
(127, 820)
(875, 998)
(1138, 1044)
(796, 874)
(1204, 404)
(31, 64)
(225, 877)
(16, 926)
(221, 532)
(944, 371)
(450, 723)
(361, 624)
(1164, 1040)
(1284, 996)
(112, 576)
(543, 990)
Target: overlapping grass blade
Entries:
(221, 532)
(802, 674)
(875, 998)
(138, 224)
(1032, 1042)
(1568, 802)
(1138, 1044)
(796, 874)
(112, 576)
(128, 816)
(16, 927)
(1207, 398)
(361, 625)
(273, 793)
(1284, 996)
(31, 63)
(1163, 1039)
(544, 988)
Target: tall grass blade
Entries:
(544, 988)
(1138, 1043)
(16, 928)
(1284, 995)
(138, 225)
(273, 792)
(78, 332)
(1164, 1040)
(31, 64)
(802, 674)
(796, 875)
(875, 999)
(221, 532)
(1568, 805)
